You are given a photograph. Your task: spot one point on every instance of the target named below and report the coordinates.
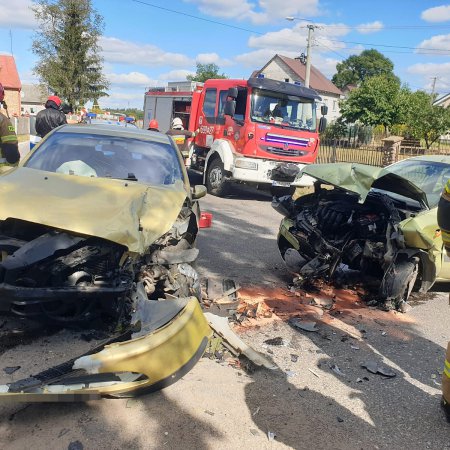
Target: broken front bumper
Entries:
(123, 369)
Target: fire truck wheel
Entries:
(216, 179)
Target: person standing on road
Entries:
(180, 135)
(444, 224)
(8, 138)
(51, 117)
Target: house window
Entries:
(32, 110)
(286, 80)
(334, 105)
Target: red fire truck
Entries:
(257, 131)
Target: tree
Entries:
(67, 47)
(358, 68)
(206, 72)
(425, 120)
(375, 102)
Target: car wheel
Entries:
(398, 282)
(281, 191)
(217, 182)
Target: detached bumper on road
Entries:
(123, 369)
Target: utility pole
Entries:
(311, 28)
(308, 55)
(433, 86)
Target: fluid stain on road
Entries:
(260, 306)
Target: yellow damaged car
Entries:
(381, 222)
(98, 223)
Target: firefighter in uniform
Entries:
(8, 137)
(444, 224)
(180, 136)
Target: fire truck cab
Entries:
(257, 131)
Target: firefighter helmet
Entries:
(153, 125)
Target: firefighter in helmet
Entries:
(153, 125)
(444, 224)
(180, 135)
(8, 137)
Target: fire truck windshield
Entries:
(286, 111)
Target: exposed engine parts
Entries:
(52, 274)
(330, 228)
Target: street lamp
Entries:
(308, 48)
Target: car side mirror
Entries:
(198, 191)
(324, 110)
(322, 124)
(232, 92)
(229, 108)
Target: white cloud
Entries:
(131, 79)
(214, 58)
(255, 60)
(372, 27)
(436, 14)
(430, 70)
(16, 14)
(260, 12)
(438, 45)
(125, 52)
(294, 39)
(130, 98)
(176, 75)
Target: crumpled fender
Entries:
(136, 366)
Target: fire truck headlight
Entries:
(245, 164)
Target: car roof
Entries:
(123, 132)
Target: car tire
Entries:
(398, 282)
(281, 191)
(217, 181)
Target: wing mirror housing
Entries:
(232, 92)
(229, 108)
(198, 191)
(322, 124)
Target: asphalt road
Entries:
(303, 402)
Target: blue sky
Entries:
(147, 46)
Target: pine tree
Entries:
(69, 60)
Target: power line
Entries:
(192, 16)
(216, 22)
(389, 46)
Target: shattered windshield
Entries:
(428, 176)
(283, 110)
(94, 155)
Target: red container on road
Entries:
(205, 220)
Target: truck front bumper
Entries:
(254, 170)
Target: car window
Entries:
(105, 156)
(428, 176)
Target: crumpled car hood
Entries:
(126, 212)
(360, 178)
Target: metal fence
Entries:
(334, 150)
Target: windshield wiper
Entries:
(131, 177)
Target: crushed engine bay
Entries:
(148, 302)
(330, 229)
